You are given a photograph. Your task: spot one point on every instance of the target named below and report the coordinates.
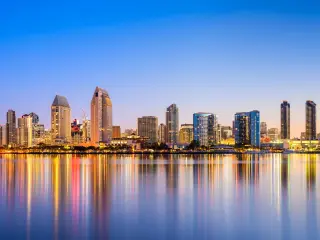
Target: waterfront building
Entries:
(60, 120)
(247, 129)
(285, 120)
(128, 132)
(1, 132)
(204, 126)
(4, 135)
(24, 131)
(186, 133)
(86, 126)
(311, 120)
(76, 132)
(35, 118)
(162, 133)
(116, 132)
(101, 117)
(263, 129)
(303, 136)
(172, 124)
(273, 134)
(148, 127)
(11, 128)
(226, 132)
(38, 131)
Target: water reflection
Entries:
(159, 197)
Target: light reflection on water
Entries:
(159, 197)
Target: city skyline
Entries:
(47, 126)
(176, 50)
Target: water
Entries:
(270, 196)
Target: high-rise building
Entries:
(311, 121)
(186, 134)
(11, 128)
(60, 120)
(303, 136)
(4, 135)
(35, 118)
(172, 123)
(273, 134)
(86, 124)
(25, 131)
(263, 129)
(148, 127)
(116, 132)
(162, 133)
(285, 120)
(247, 128)
(101, 117)
(204, 125)
(226, 132)
(1, 132)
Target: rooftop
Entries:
(60, 101)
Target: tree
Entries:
(194, 145)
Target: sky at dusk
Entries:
(215, 56)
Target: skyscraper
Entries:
(101, 117)
(148, 127)
(1, 130)
(311, 121)
(116, 132)
(264, 129)
(162, 133)
(273, 134)
(186, 133)
(285, 120)
(35, 118)
(204, 127)
(226, 132)
(247, 128)
(4, 135)
(172, 123)
(25, 131)
(11, 128)
(86, 124)
(60, 120)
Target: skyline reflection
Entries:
(159, 197)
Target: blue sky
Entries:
(215, 56)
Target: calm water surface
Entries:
(270, 196)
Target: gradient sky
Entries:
(214, 56)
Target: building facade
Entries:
(4, 135)
(273, 134)
(186, 134)
(204, 127)
(263, 129)
(101, 117)
(116, 132)
(148, 127)
(172, 123)
(285, 120)
(311, 120)
(11, 128)
(247, 129)
(60, 120)
(1, 133)
(226, 132)
(24, 131)
(162, 133)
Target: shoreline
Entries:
(152, 153)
